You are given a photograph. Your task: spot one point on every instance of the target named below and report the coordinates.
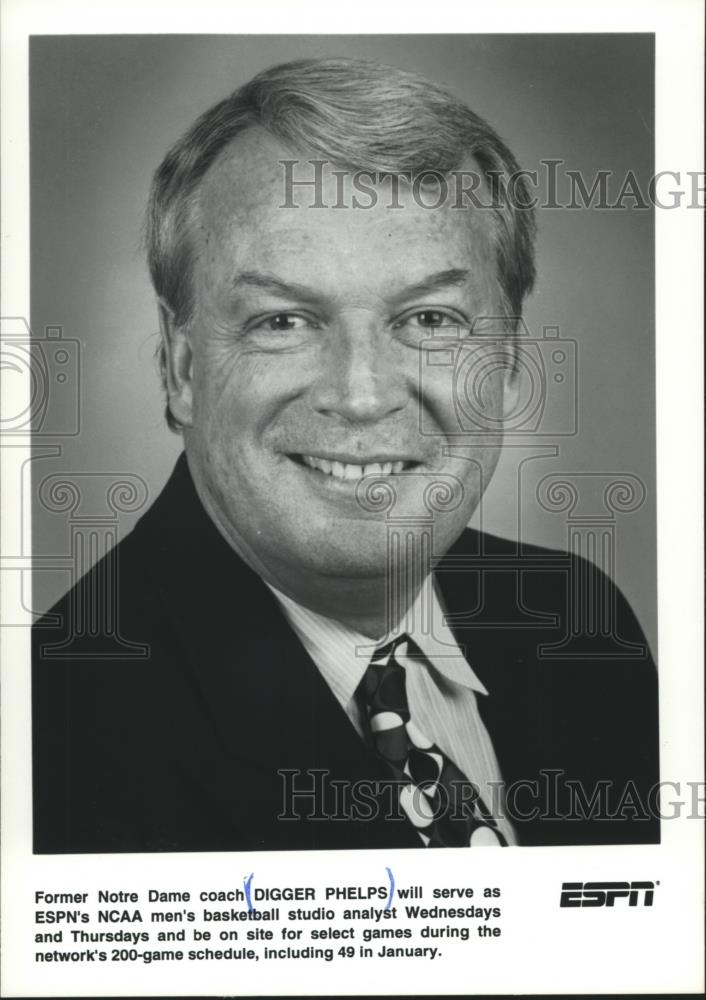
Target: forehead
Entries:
(249, 216)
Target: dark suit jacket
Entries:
(163, 718)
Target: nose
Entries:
(362, 380)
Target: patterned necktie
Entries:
(436, 796)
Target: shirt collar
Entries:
(342, 654)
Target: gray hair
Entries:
(359, 115)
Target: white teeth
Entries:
(347, 470)
(318, 463)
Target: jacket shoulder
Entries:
(524, 585)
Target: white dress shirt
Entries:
(442, 697)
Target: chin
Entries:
(368, 552)
(353, 564)
(355, 569)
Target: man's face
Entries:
(302, 370)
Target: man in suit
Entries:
(318, 653)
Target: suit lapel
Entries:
(270, 707)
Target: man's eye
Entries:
(283, 321)
(431, 318)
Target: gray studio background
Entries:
(105, 109)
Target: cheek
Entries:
(466, 395)
(481, 378)
(225, 389)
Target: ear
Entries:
(178, 366)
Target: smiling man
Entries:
(309, 667)
(297, 371)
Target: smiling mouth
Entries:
(351, 471)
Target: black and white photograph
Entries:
(301, 625)
(336, 533)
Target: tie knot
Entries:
(387, 652)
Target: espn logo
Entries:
(606, 893)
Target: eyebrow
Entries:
(453, 277)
